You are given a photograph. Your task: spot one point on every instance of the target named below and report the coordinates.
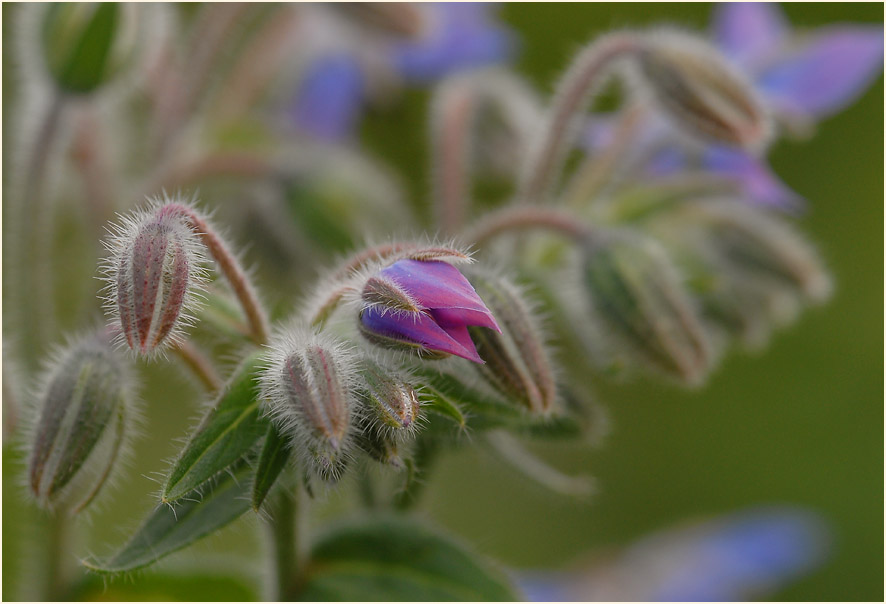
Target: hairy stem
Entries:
(527, 218)
(586, 75)
(58, 568)
(451, 131)
(197, 362)
(230, 268)
(288, 531)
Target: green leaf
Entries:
(395, 558)
(274, 455)
(226, 433)
(438, 403)
(77, 42)
(170, 528)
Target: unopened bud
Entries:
(81, 422)
(638, 295)
(392, 400)
(154, 276)
(308, 389)
(381, 446)
(517, 360)
(754, 244)
(698, 88)
(86, 44)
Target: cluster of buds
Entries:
(83, 417)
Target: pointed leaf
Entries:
(396, 558)
(274, 455)
(227, 432)
(170, 528)
(438, 403)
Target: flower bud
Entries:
(308, 390)
(392, 400)
(423, 306)
(517, 362)
(381, 446)
(81, 422)
(86, 44)
(701, 91)
(637, 293)
(753, 244)
(154, 276)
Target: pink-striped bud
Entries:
(307, 390)
(154, 275)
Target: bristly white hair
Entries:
(119, 244)
(325, 455)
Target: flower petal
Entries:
(418, 328)
(460, 334)
(826, 74)
(329, 97)
(459, 316)
(435, 284)
(758, 182)
(749, 31)
(460, 35)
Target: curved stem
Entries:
(197, 362)
(528, 218)
(586, 75)
(230, 268)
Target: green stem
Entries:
(288, 533)
(35, 242)
(58, 571)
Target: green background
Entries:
(799, 423)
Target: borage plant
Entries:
(649, 239)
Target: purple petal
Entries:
(828, 73)
(435, 284)
(666, 162)
(461, 35)
(749, 31)
(329, 97)
(460, 334)
(418, 328)
(757, 181)
(461, 316)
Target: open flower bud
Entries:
(308, 392)
(82, 419)
(392, 400)
(703, 94)
(517, 363)
(154, 276)
(638, 295)
(424, 307)
(86, 44)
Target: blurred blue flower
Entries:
(459, 35)
(746, 554)
(801, 79)
(455, 36)
(330, 97)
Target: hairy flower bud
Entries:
(154, 276)
(308, 389)
(392, 400)
(82, 420)
(423, 306)
(638, 295)
(701, 91)
(517, 362)
(86, 44)
(754, 271)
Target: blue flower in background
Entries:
(801, 79)
(805, 77)
(330, 97)
(456, 36)
(749, 553)
(460, 35)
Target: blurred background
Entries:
(800, 423)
